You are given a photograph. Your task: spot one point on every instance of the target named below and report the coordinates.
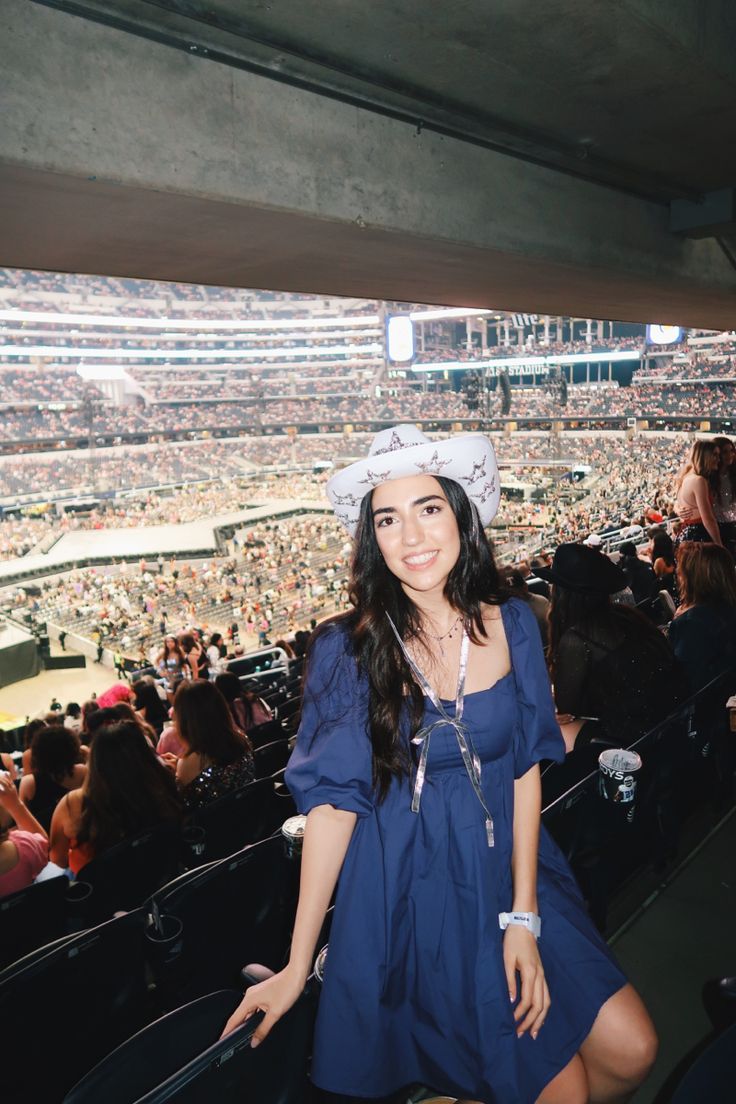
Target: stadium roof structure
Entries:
(569, 158)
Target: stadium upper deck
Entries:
(96, 361)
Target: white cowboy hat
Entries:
(404, 450)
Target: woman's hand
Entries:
(9, 797)
(520, 954)
(274, 997)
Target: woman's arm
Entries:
(11, 801)
(27, 788)
(188, 767)
(326, 840)
(520, 952)
(62, 829)
(705, 508)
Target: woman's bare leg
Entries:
(620, 1050)
(570, 1086)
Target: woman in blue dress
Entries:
(461, 956)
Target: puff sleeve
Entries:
(332, 761)
(537, 734)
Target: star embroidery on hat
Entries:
(374, 478)
(347, 500)
(479, 470)
(486, 490)
(394, 443)
(434, 464)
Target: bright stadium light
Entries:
(400, 338)
(438, 314)
(117, 321)
(663, 335)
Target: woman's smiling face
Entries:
(416, 532)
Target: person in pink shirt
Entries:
(24, 850)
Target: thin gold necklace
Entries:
(445, 635)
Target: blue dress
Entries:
(415, 989)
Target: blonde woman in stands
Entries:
(694, 503)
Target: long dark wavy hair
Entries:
(601, 621)
(127, 790)
(375, 591)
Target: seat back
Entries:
(207, 924)
(271, 758)
(126, 875)
(92, 987)
(266, 733)
(239, 818)
(182, 1058)
(31, 918)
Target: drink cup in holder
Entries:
(293, 832)
(195, 839)
(79, 904)
(319, 964)
(165, 938)
(617, 778)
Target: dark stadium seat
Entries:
(712, 1075)
(92, 988)
(126, 875)
(239, 818)
(32, 917)
(207, 924)
(271, 758)
(266, 733)
(182, 1058)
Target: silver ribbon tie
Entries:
(423, 736)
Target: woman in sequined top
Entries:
(218, 755)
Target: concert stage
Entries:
(19, 656)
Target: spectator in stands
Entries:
(231, 689)
(216, 654)
(195, 658)
(23, 848)
(534, 583)
(73, 717)
(614, 673)
(88, 708)
(723, 489)
(218, 756)
(127, 791)
(170, 663)
(703, 632)
(694, 495)
(148, 704)
(539, 605)
(56, 768)
(639, 577)
(662, 555)
(32, 728)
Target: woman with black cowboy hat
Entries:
(614, 673)
(426, 712)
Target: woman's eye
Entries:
(383, 522)
(432, 509)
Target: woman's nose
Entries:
(411, 531)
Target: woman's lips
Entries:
(421, 562)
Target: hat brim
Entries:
(468, 459)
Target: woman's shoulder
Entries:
(330, 643)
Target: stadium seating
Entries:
(181, 1058)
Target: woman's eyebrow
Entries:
(416, 502)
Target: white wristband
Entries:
(528, 920)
